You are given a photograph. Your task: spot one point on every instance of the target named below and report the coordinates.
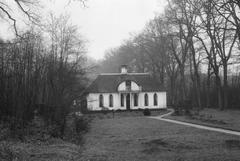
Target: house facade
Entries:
(125, 91)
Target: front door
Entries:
(128, 101)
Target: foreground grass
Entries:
(38, 145)
(122, 114)
(53, 150)
(227, 119)
(141, 138)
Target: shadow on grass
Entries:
(232, 144)
(161, 145)
(6, 153)
(203, 118)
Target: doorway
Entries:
(128, 101)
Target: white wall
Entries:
(162, 100)
(93, 101)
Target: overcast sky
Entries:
(106, 23)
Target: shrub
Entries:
(118, 110)
(104, 112)
(176, 112)
(81, 125)
(54, 131)
(187, 106)
(18, 128)
(146, 112)
(140, 109)
(6, 153)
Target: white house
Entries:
(125, 91)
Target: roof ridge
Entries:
(124, 74)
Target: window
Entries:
(101, 100)
(122, 100)
(155, 99)
(128, 85)
(135, 99)
(110, 100)
(146, 99)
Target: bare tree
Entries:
(27, 8)
(218, 45)
(229, 9)
(33, 73)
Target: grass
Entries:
(130, 136)
(142, 138)
(227, 119)
(40, 146)
(53, 150)
(122, 114)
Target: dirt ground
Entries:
(142, 138)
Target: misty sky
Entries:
(106, 23)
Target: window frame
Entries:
(155, 99)
(110, 100)
(101, 100)
(135, 99)
(146, 100)
(122, 100)
(128, 84)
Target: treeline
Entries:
(41, 73)
(192, 49)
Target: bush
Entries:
(139, 109)
(146, 112)
(6, 153)
(54, 131)
(81, 125)
(187, 106)
(177, 111)
(118, 110)
(105, 112)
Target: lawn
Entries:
(227, 119)
(53, 150)
(121, 114)
(37, 145)
(144, 139)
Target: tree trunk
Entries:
(196, 76)
(183, 86)
(208, 86)
(219, 92)
(225, 85)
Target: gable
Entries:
(129, 84)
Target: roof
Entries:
(108, 83)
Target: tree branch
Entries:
(12, 19)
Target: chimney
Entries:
(124, 69)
